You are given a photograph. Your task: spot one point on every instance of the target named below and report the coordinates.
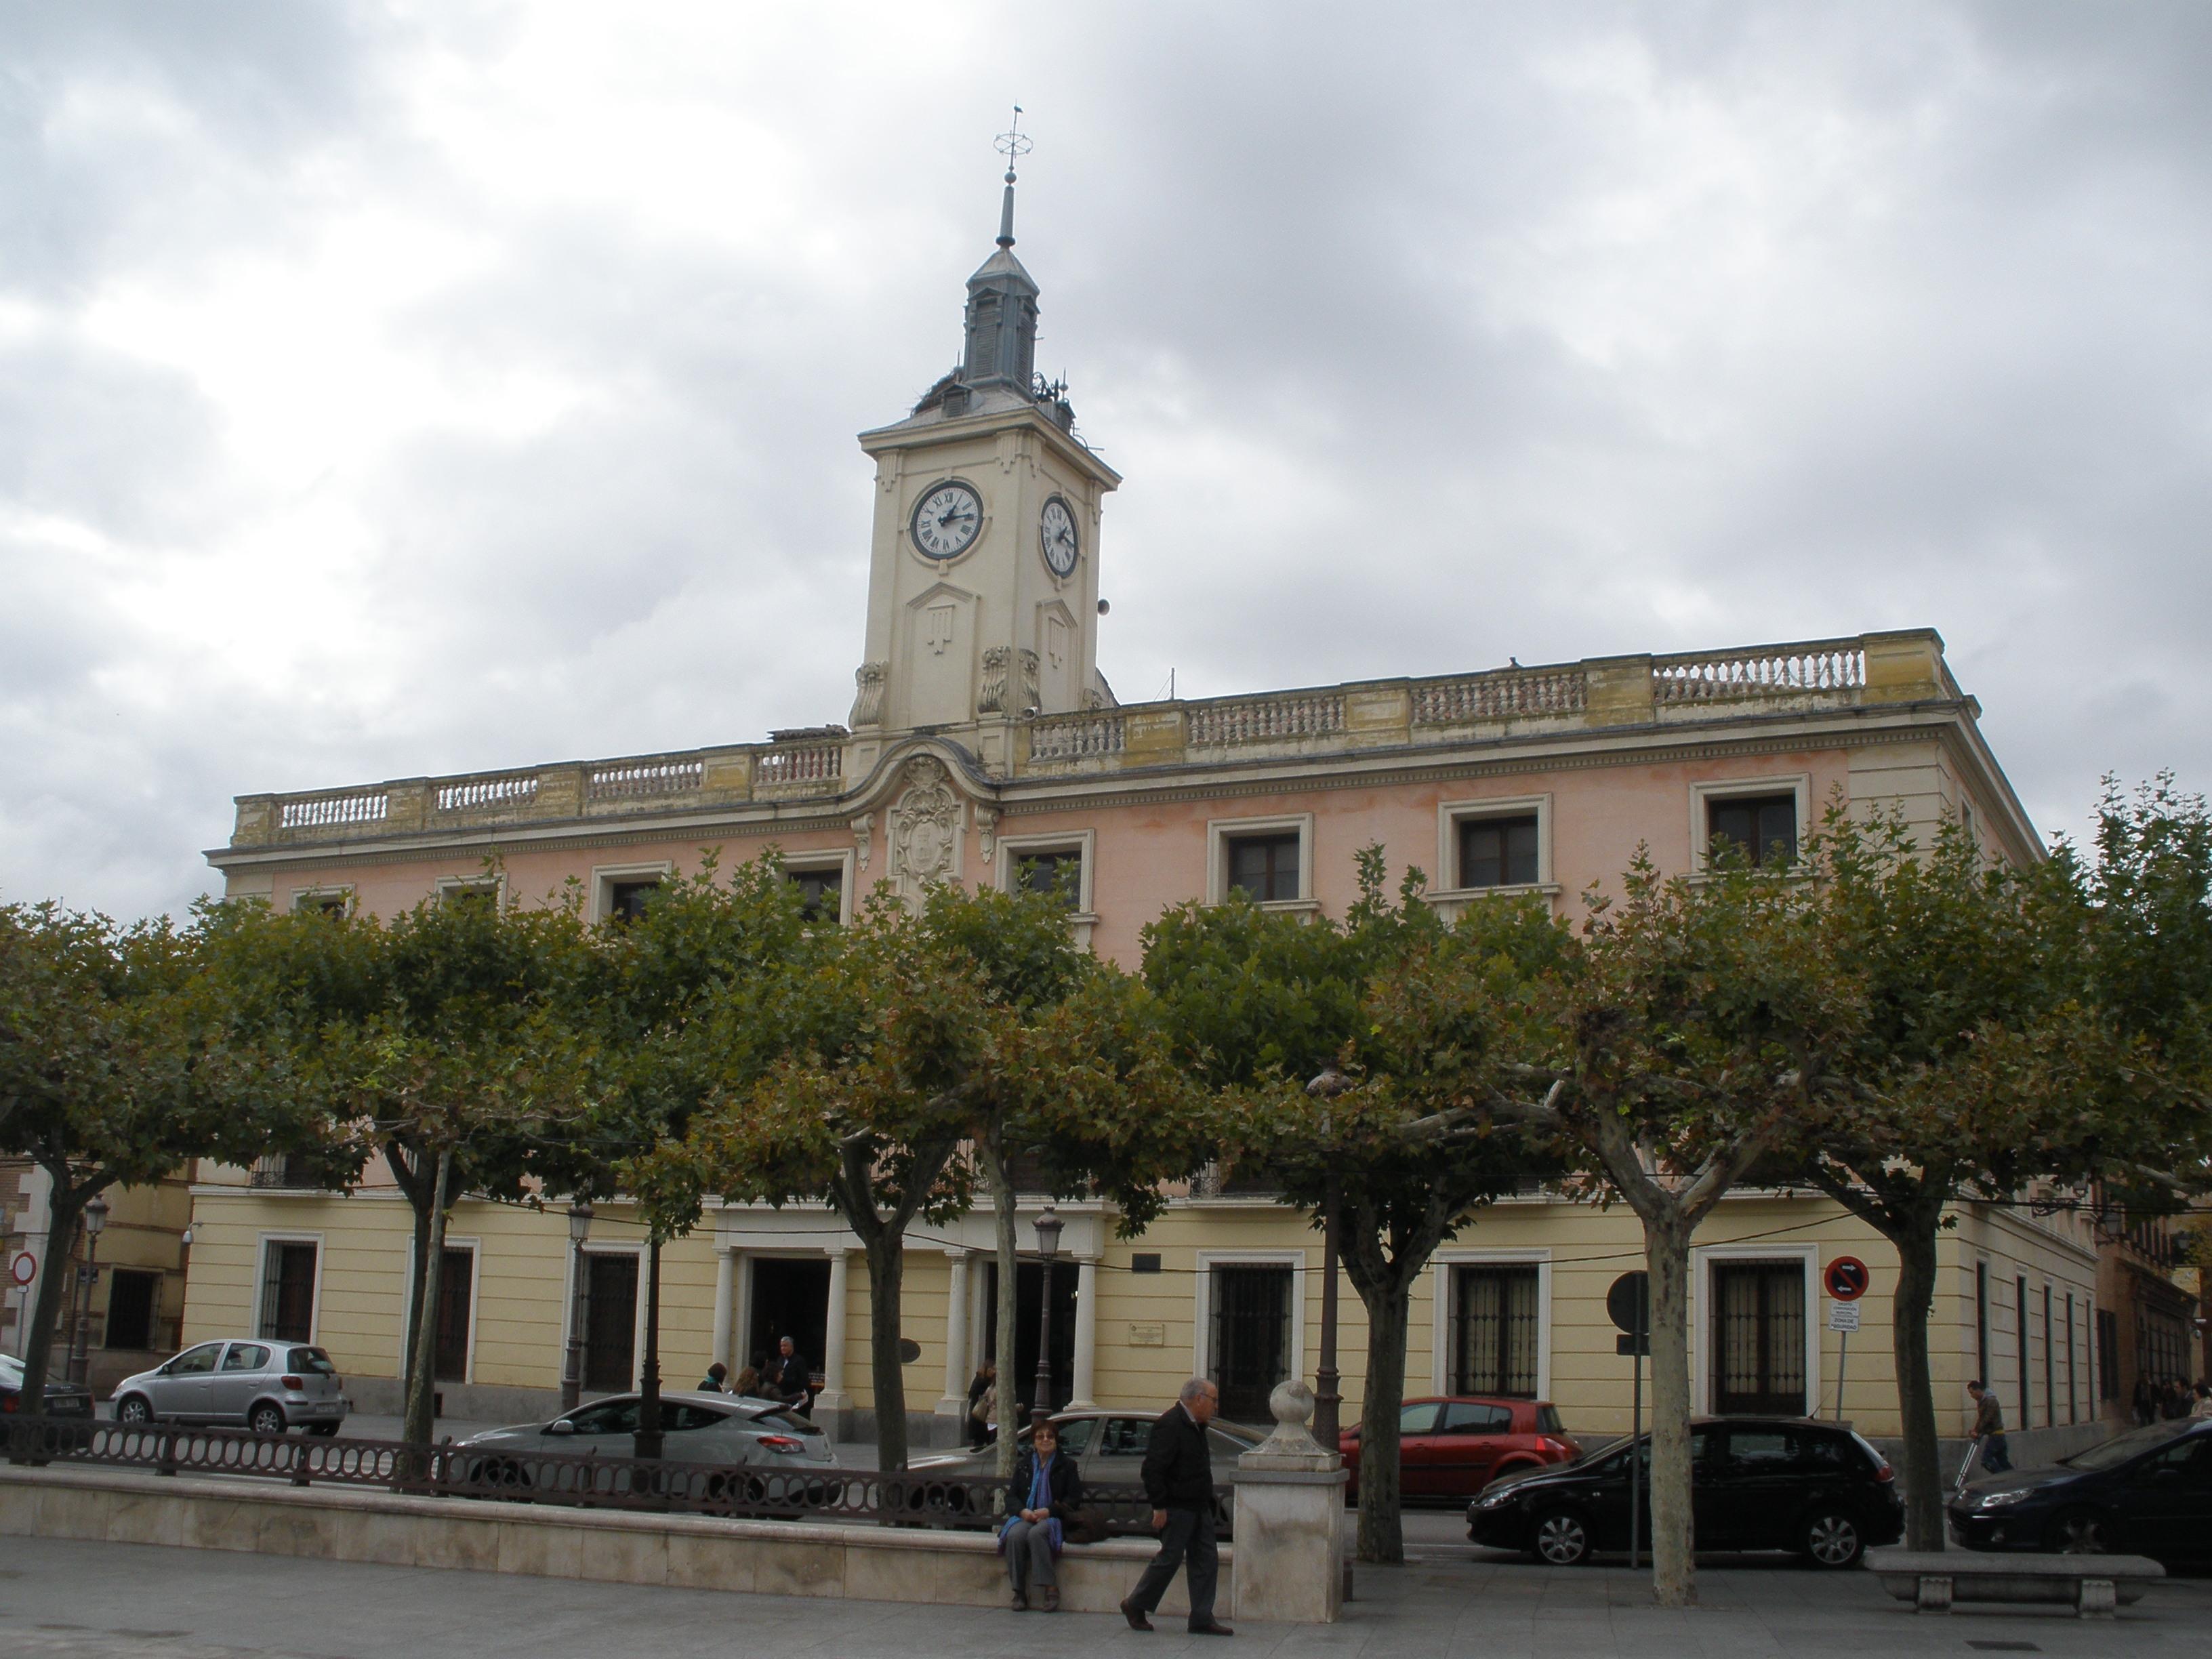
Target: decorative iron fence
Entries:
(780, 1492)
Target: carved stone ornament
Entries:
(986, 825)
(1093, 698)
(925, 834)
(868, 704)
(864, 834)
(994, 699)
(1029, 679)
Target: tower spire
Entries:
(1013, 144)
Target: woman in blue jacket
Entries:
(1041, 1499)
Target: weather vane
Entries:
(1013, 143)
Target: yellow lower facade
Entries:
(1228, 1287)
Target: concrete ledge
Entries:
(768, 1557)
(2095, 1586)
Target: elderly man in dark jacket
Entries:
(1179, 1480)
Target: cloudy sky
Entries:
(405, 388)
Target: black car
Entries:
(61, 1398)
(2146, 1492)
(1760, 1483)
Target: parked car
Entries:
(1455, 1447)
(264, 1385)
(2146, 1492)
(1760, 1483)
(1109, 1447)
(718, 1429)
(60, 1400)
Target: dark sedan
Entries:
(61, 1398)
(1758, 1484)
(2146, 1492)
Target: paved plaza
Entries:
(76, 1600)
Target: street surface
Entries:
(62, 1600)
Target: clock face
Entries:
(946, 520)
(1056, 536)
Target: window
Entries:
(1075, 1436)
(131, 1299)
(2050, 1368)
(626, 900)
(2073, 1393)
(246, 1357)
(1498, 852)
(1125, 1437)
(1420, 1418)
(1547, 1420)
(610, 1326)
(1058, 870)
(1059, 863)
(1250, 1350)
(313, 1361)
(324, 901)
(1472, 1417)
(608, 1417)
(1761, 1451)
(1982, 1321)
(2020, 1304)
(621, 892)
(1759, 1338)
(456, 1290)
(1763, 826)
(287, 1291)
(821, 892)
(456, 890)
(1264, 868)
(1494, 1331)
(2108, 1354)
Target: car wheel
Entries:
(2079, 1532)
(1833, 1540)
(267, 1417)
(1562, 1540)
(134, 1408)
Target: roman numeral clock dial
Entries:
(946, 521)
(1056, 538)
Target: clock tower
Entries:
(983, 576)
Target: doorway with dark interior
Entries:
(1020, 1384)
(132, 1298)
(790, 1297)
(456, 1282)
(1249, 1349)
(610, 1329)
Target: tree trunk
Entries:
(1673, 1540)
(1382, 1532)
(421, 1415)
(1916, 1391)
(63, 1206)
(1004, 1216)
(886, 1253)
(416, 1191)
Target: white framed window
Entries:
(331, 901)
(1502, 846)
(620, 889)
(1042, 860)
(1270, 858)
(1493, 1323)
(1753, 1327)
(1248, 1325)
(450, 888)
(825, 878)
(288, 1287)
(1759, 813)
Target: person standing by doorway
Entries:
(982, 1405)
(1178, 1478)
(787, 1378)
(1988, 1428)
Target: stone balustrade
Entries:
(811, 762)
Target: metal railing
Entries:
(780, 1491)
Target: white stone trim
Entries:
(1441, 1299)
(1202, 1301)
(1451, 814)
(605, 876)
(495, 884)
(1083, 843)
(1703, 795)
(306, 898)
(568, 1304)
(1221, 831)
(262, 1241)
(1702, 1258)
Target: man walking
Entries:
(1179, 1480)
(1989, 1428)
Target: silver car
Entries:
(719, 1428)
(264, 1385)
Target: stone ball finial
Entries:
(1293, 1403)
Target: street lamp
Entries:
(1327, 1399)
(1048, 1231)
(579, 1303)
(95, 1219)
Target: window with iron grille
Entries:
(1057, 871)
(1764, 826)
(2073, 1394)
(1982, 1321)
(288, 1292)
(2108, 1354)
(626, 900)
(1250, 1350)
(456, 1286)
(1495, 1325)
(2050, 1368)
(1265, 867)
(2020, 1357)
(1498, 852)
(1759, 1338)
(821, 892)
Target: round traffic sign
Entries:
(1629, 1303)
(1847, 1278)
(24, 1268)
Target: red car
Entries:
(1455, 1447)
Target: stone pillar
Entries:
(1289, 1563)
(833, 1401)
(1086, 1333)
(949, 1428)
(726, 1292)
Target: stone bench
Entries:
(2094, 1586)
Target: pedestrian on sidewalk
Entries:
(1988, 1428)
(787, 1378)
(1178, 1478)
(982, 1404)
(713, 1382)
(1041, 1500)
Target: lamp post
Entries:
(1327, 1399)
(1048, 1231)
(579, 1304)
(95, 1219)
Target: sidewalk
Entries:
(73, 1600)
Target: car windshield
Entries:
(2121, 1449)
(1603, 1449)
(313, 1361)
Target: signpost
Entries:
(1628, 1304)
(1846, 1280)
